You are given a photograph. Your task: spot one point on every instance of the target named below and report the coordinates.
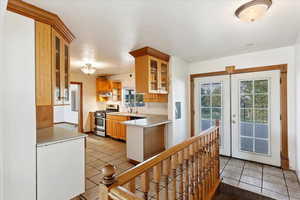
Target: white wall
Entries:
(19, 108)
(285, 55)
(89, 96)
(178, 92)
(297, 58)
(149, 108)
(2, 10)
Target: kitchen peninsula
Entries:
(145, 134)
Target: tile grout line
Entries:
(262, 178)
(242, 172)
(288, 192)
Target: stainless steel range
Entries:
(100, 119)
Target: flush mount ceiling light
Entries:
(253, 10)
(88, 69)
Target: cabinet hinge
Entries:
(280, 80)
(280, 117)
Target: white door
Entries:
(256, 116)
(212, 102)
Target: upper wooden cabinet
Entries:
(151, 71)
(61, 69)
(108, 88)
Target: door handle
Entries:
(233, 121)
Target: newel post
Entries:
(108, 172)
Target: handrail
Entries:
(195, 161)
(151, 162)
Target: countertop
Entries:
(148, 121)
(52, 135)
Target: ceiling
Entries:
(106, 30)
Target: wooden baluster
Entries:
(205, 167)
(174, 168)
(210, 160)
(132, 186)
(145, 184)
(108, 179)
(186, 162)
(192, 177)
(196, 167)
(201, 185)
(166, 172)
(156, 177)
(207, 164)
(180, 162)
(218, 147)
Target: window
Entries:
(131, 99)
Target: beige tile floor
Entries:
(267, 180)
(263, 179)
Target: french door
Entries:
(212, 103)
(248, 107)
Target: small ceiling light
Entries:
(88, 69)
(253, 10)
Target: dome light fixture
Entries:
(253, 10)
(88, 69)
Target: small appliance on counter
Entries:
(100, 119)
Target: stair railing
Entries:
(189, 171)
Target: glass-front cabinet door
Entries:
(61, 68)
(57, 53)
(163, 77)
(66, 74)
(153, 75)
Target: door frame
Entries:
(80, 127)
(283, 100)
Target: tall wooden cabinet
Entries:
(151, 74)
(52, 72)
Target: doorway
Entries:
(74, 114)
(248, 106)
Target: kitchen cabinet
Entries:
(106, 89)
(151, 74)
(114, 127)
(61, 69)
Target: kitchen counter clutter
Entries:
(56, 134)
(60, 163)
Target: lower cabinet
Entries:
(115, 128)
(60, 170)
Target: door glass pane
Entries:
(254, 111)
(261, 86)
(247, 144)
(247, 129)
(216, 88)
(216, 101)
(205, 89)
(205, 101)
(246, 87)
(261, 146)
(246, 101)
(205, 113)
